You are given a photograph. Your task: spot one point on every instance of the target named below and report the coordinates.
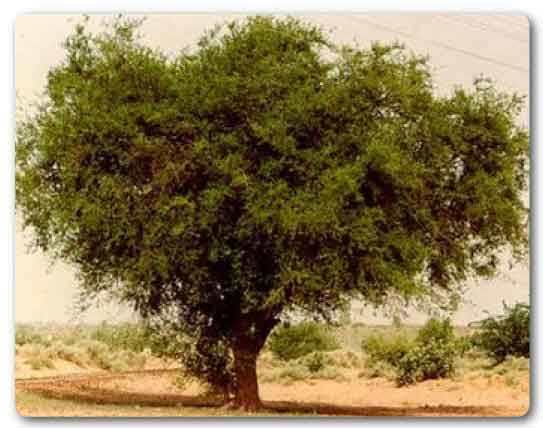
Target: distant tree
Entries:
(267, 170)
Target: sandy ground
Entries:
(145, 393)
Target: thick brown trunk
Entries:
(246, 390)
(252, 334)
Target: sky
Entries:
(460, 48)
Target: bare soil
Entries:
(155, 392)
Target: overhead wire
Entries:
(478, 25)
(443, 45)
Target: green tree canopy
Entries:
(264, 171)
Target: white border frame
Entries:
(9, 11)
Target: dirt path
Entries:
(155, 388)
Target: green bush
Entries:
(315, 362)
(127, 336)
(431, 355)
(506, 336)
(291, 342)
(389, 351)
(465, 347)
(436, 330)
(427, 361)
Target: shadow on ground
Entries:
(82, 391)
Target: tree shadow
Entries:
(82, 392)
(340, 410)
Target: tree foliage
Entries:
(266, 170)
(506, 336)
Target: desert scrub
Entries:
(426, 361)
(381, 350)
(127, 359)
(432, 354)
(315, 362)
(294, 372)
(27, 335)
(40, 362)
(31, 349)
(289, 342)
(70, 353)
(329, 373)
(297, 372)
(377, 369)
(344, 359)
(511, 365)
(502, 337)
(99, 354)
(127, 336)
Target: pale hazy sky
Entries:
(460, 47)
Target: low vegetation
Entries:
(507, 336)
(289, 342)
(310, 351)
(106, 347)
(432, 354)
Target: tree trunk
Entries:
(252, 333)
(246, 389)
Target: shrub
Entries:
(315, 362)
(379, 349)
(27, 335)
(294, 373)
(40, 362)
(506, 336)
(127, 336)
(297, 371)
(378, 369)
(427, 361)
(328, 373)
(436, 330)
(431, 355)
(344, 359)
(464, 345)
(290, 342)
(69, 353)
(99, 353)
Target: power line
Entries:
(484, 27)
(494, 22)
(440, 44)
(504, 19)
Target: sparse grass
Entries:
(71, 353)
(377, 370)
(511, 381)
(40, 362)
(94, 347)
(351, 336)
(26, 334)
(40, 349)
(50, 350)
(300, 373)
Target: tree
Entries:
(266, 171)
